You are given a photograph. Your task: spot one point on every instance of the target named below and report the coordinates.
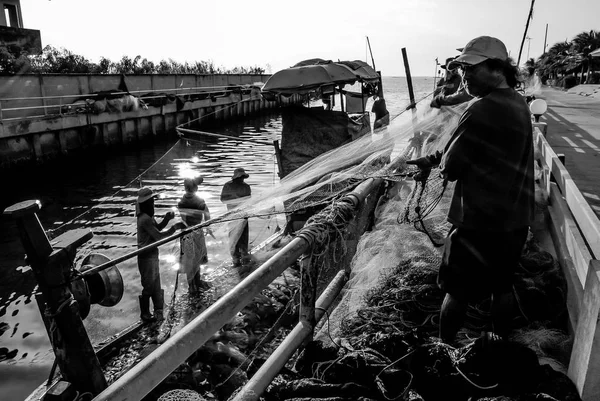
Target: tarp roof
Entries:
(311, 74)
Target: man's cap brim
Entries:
(145, 198)
(466, 59)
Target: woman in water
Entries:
(193, 211)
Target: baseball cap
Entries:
(448, 61)
(480, 49)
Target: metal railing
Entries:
(199, 90)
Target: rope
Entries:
(340, 345)
(410, 106)
(471, 382)
(59, 309)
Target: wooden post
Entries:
(543, 127)
(412, 104)
(52, 267)
(562, 158)
(584, 367)
(43, 93)
(278, 157)
(411, 93)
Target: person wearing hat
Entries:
(490, 156)
(450, 90)
(193, 211)
(148, 232)
(232, 195)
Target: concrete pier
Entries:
(36, 123)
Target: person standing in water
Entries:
(193, 210)
(232, 195)
(148, 232)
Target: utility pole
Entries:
(525, 33)
(545, 37)
(528, 45)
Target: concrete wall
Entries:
(17, 14)
(37, 139)
(60, 89)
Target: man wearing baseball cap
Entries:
(232, 194)
(450, 90)
(490, 156)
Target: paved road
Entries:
(574, 130)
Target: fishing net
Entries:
(400, 253)
(181, 395)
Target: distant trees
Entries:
(571, 58)
(63, 61)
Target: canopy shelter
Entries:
(309, 75)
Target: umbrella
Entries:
(305, 78)
(362, 70)
(595, 53)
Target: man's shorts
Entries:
(478, 263)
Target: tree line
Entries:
(62, 61)
(564, 61)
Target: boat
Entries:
(311, 130)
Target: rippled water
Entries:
(98, 192)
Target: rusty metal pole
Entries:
(52, 265)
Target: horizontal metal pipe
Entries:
(363, 189)
(267, 372)
(91, 96)
(147, 374)
(121, 93)
(235, 138)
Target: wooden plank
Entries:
(540, 161)
(584, 366)
(570, 234)
(574, 283)
(588, 222)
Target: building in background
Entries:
(13, 35)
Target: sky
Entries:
(277, 34)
